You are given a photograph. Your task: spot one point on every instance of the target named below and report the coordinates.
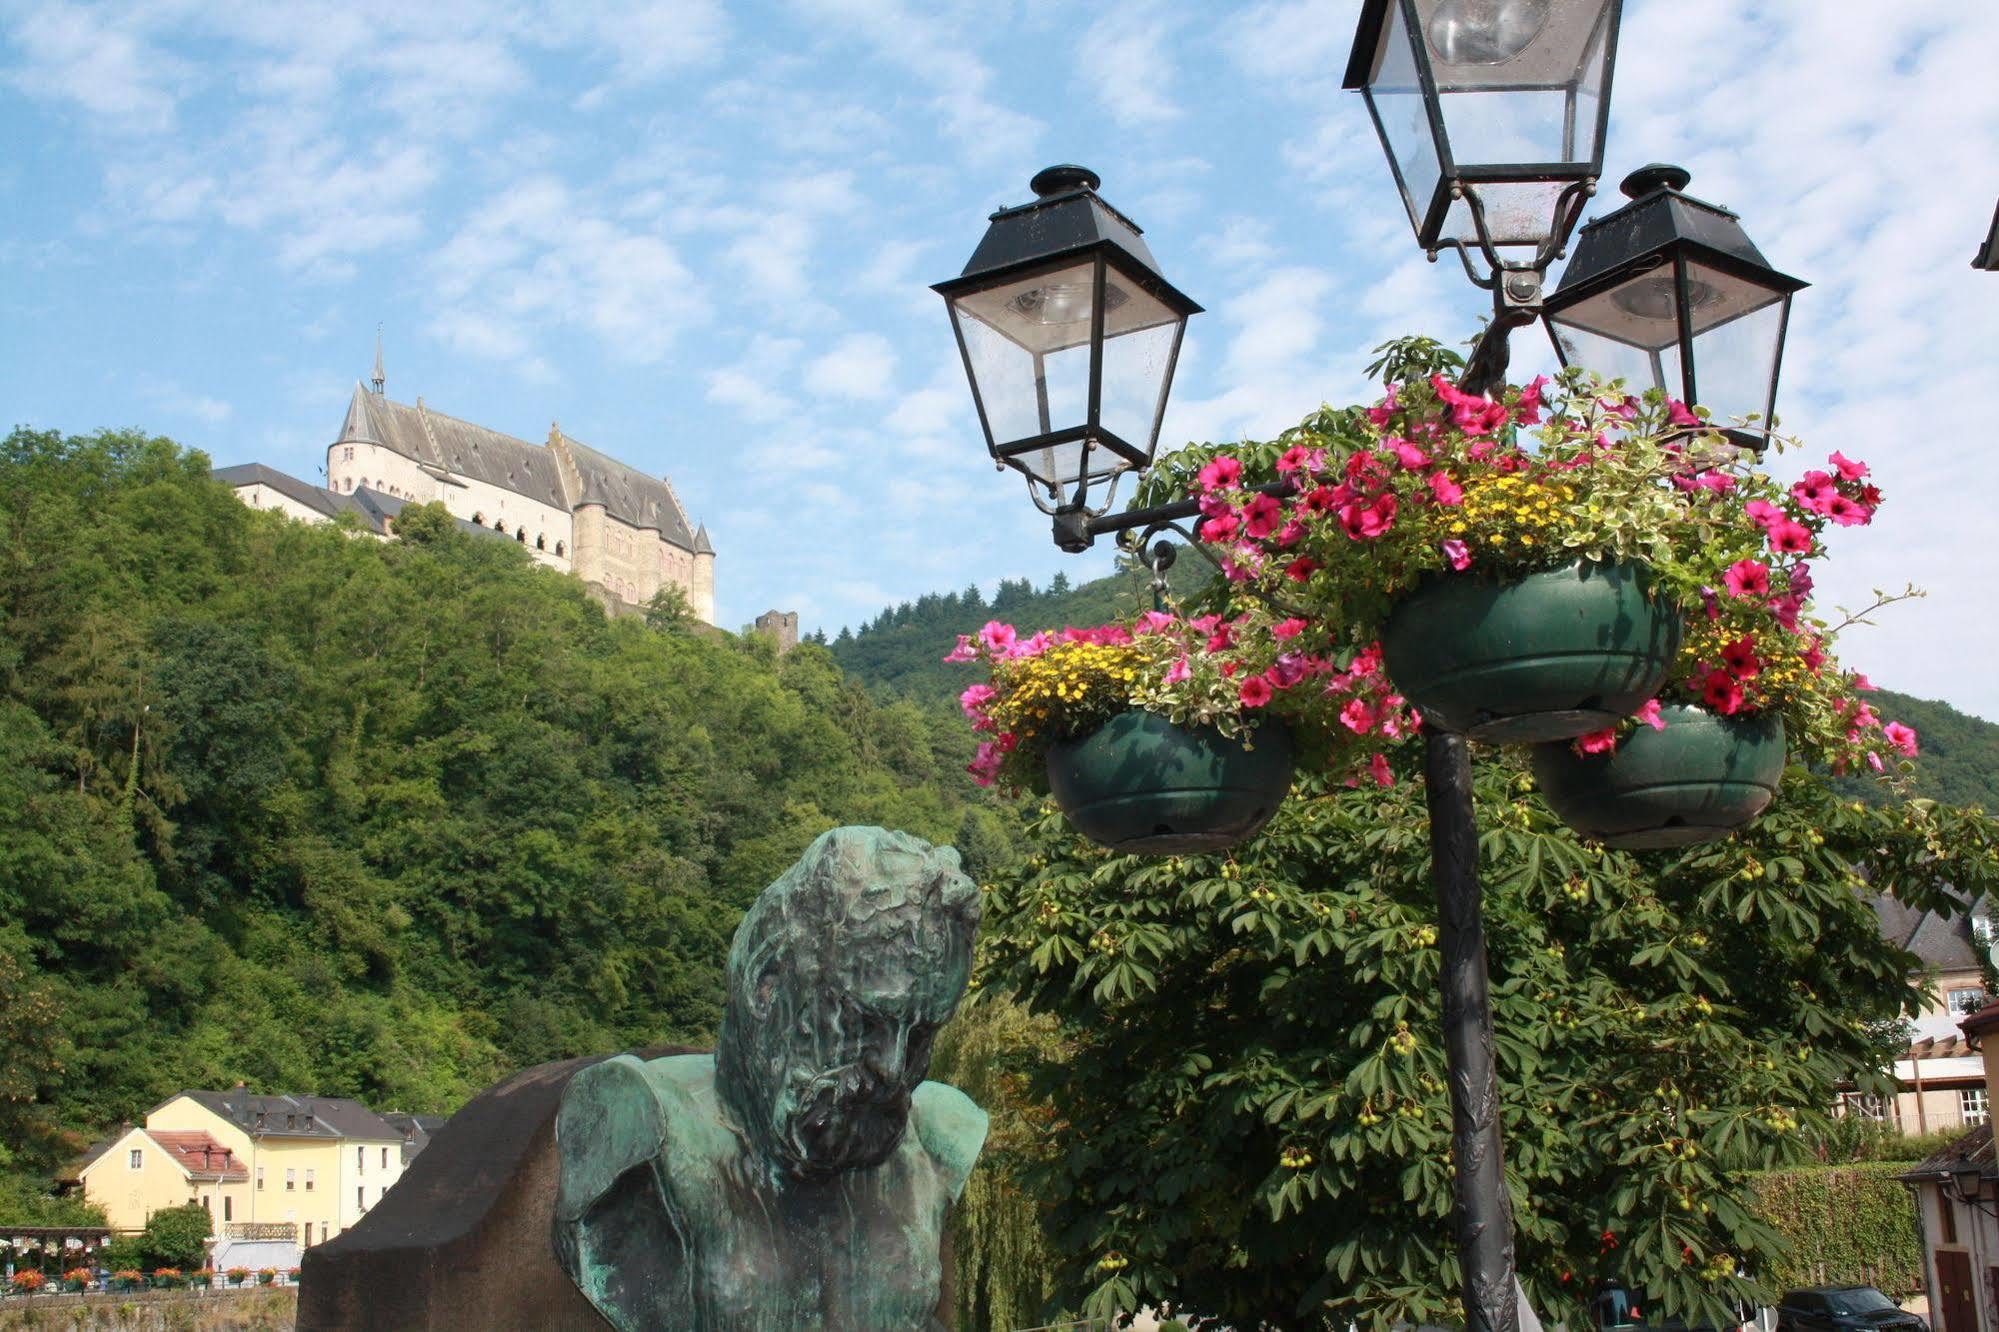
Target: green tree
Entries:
(176, 1237)
(1257, 1126)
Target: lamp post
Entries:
(1492, 114)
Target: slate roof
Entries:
(1975, 1146)
(285, 1116)
(1940, 941)
(630, 496)
(373, 507)
(417, 1130)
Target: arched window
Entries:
(540, 541)
(521, 536)
(558, 548)
(478, 518)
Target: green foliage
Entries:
(176, 1237)
(1959, 764)
(1851, 1225)
(1257, 1123)
(327, 814)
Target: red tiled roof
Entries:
(199, 1153)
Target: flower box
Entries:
(1697, 780)
(1142, 785)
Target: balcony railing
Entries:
(261, 1230)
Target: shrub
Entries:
(1847, 1225)
(177, 1237)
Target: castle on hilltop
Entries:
(573, 508)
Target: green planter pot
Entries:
(1142, 785)
(1546, 656)
(1697, 781)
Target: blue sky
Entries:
(700, 236)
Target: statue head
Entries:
(839, 978)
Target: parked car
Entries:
(1844, 1309)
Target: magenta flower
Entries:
(1787, 609)
(1262, 516)
(1721, 693)
(1863, 685)
(996, 637)
(1255, 692)
(973, 701)
(1900, 736)
(1527, 408)
(1815, 491)
(1178, 671)
(1741, 659)
(1219, 529)
(1300, 459)
(1848, 469)
(1379, 414)
(1874, 760)
(1677, 413)
(1378, 768)
(1364, 522)
(1458, 553)
(1649, 714)
(1156, 622)
(1290, 628)
(1847, 513)
(1747, 578)
(964, 651)
(1765, 514)
(1301, 568)
(1445, 490)
(1789, 538)
(1223, 473)
(1598, 742)
(1357, 717)
(1411, 457)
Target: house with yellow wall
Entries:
(310, 1166)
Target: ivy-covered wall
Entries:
(1847, 1225)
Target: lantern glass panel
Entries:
(1028, 342)
(1735, 363)
(1394, 92)
(1141, 341)
(1641, 367)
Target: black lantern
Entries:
(1668, 292)
(1069, 335)
(1492, 113)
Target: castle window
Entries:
(347, 454)
(521, 536)
(558, 548)
(540, 541)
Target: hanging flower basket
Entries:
(1141, 784)
(1697, 780)
(1533, 657)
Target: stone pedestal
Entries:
(464, 1239)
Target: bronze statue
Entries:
(799, 1177)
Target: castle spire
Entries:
(379, 379)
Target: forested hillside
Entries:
(900, 651)
(288, 804)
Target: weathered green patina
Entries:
(772, 1186)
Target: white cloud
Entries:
(84, 55)
(175, 400)
(860, 365)
(1123, 61)
(752, 385)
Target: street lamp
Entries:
(1069, 334)
(1669, 292)
(1492, 113)
(1967, 1180)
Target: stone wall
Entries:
(258, 1310)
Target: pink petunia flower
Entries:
(1741, 660)
(1290, 628)
(1262, 516)
(1364, 522)
(1222, 473)
(1874, 761)
(1178, 671)
(1288, 535)
(1156, 622)
(1847, 513)
(1301, 568)
(1445, 490)
(1848, 469)
(996, 637)
(1255, 692)
(1649, 714)
(1298, 458)
(1721, 693)
(964, 651)
(973, 701)
(1357, 716)
(1765, 514)
(1789, 538)
(1898, 735)
(1412, 458)
(1219, 529)
(1598, 742)
(1458, 553)
(1378, 768)
(1527, 408)
(1747, 578)
(1815, 490)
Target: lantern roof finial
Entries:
(1062, 179)
(1655, 176)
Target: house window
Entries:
(1863, 1105)
(260, 1179)
(360, 1160)
(1971, 1107)
(322, 1232)
(1965, 1001)
(228, 1208)
(385, 1158)
(291, 1121)
(291, 1179)
(1947, 1214)
(136, 1160)
(360, 1199)
(308, 1180)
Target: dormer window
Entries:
(291, 1121)
(308, 1123)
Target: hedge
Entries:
(1846, 1224)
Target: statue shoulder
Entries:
(951, 1128)
(618, 1114)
